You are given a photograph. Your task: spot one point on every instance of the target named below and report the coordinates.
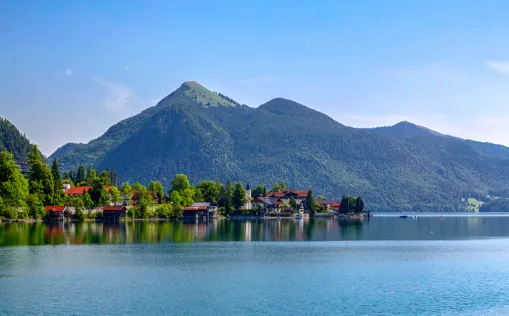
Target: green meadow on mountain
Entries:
(207, 135)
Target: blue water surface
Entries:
(354, 274)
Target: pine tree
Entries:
(264, 191)
(80, 175)
(359, 205)
(310, 203)
(58, 193)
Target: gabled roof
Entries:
(323, 201)
(195, 208)
(336, 204)
(54, 208)
(289, 193)
(113, 208)
(84, 188)
(207, 204)
(78, 190)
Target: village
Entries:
(286, 203)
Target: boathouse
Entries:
(114, 212)
(57, 212)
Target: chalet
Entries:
(114, 212)
(57, 212)
(289, 193)
(78, 191)
(268, 204)
(325, 203)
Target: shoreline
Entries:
(233, 217)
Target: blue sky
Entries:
(69, 70)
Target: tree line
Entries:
(25, 196)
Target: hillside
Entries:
(13, 141)
(207, 135)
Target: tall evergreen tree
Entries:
(310, 203)
(344, 207)
(359, 205)
(58, 193)
(264, 191)
(81, 175)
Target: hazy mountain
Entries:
(206, 135)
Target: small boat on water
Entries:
(298, 216)
(403, 216)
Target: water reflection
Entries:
(378, 228)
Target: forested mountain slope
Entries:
(207, 135)
(13, 141)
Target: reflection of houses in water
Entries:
(55, 234)
(247, 231)
(114, 233)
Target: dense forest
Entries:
(206, 136)
(13, 141)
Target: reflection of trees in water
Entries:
(351, 229)
(379, 228)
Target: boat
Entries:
(298, 217)
(403, 216)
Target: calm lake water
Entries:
(455, 265)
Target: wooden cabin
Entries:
(57, 212)
(114, 212)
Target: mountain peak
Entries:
(204, 96)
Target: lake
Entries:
(452, 265)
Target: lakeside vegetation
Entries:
(25, 197)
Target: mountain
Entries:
(207, 135)
(13, 141)
(408, 130)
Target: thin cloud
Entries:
(499, 66)
(68, 71)
(120, 97)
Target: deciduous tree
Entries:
(238, 196)
(13, 186)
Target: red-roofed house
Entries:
(57, 212)
(81, 190)
(335, 206)
(288, 193)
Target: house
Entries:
(289, 193)
(335, 206)
(78, 191)
(325, 203)
(57, 212)
(267, 204)
(199, 209)
(114, 212)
